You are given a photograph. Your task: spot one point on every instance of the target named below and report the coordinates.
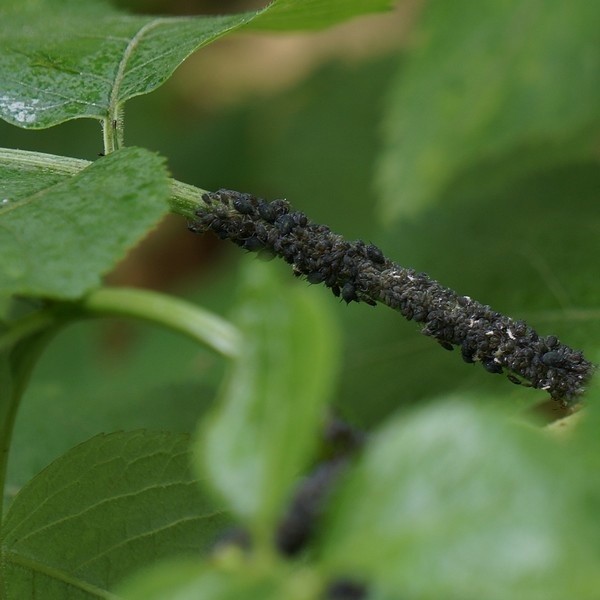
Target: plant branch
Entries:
(16, 364)
(178, 315)
(185, 199)
(22, 342)
(359, 272)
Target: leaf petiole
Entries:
(187, 318)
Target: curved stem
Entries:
(26, 327)
(23, 342)
(187, 318)
(16, 365)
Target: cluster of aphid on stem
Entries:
(359, 272)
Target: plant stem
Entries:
(26, 327)
(185, 199)
(359, 272)
(108, 135)
(112, 130)
(178, 315)
(22, 343)
(16, 365)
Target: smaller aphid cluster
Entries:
(359, 272)
(298, 524)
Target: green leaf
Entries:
(526, 245)
(82, 386)
(192, 581)
(266, 427)
(483, 81)
(58, 240)
(24, 173)
(62, 59)
(454, 502)
(108, 507)
(285, 15)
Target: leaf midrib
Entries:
(25, 562)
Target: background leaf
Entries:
(109, 375)
(266, 427)
(190, 581)
(106, 508)
(314, 14)
(484, 81)
(523, 242)
(59, 239)
(63, 60)
(454, 502)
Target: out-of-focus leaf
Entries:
(266, 427)
(483, 81)
(454, 502)
(524, 244)
(315, 14)
(59, 239)
(64, 59)
(108, 507)
(109, 376)
(191, 581)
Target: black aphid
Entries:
(349, 293)
(315, 277)
(307, 505)
(346, 589)
(375, 254)
(243, 205)
(360, 272)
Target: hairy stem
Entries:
(185, 199)
(359, 272)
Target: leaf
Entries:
(484, 82)
(285, 15)
(266, 426)
(106, 508)
(58, 240)
(62, 59)
(191, 581)
(86, 383)
(455, 502)
(524, 244)
(24, 173)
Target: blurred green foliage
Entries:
(470, 154)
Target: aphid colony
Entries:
(359, 272)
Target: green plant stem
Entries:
(178, 315)
(112, 131)
(23, 342)
(16, 364)
(26, 327)
(185, 199)
(108, 135)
